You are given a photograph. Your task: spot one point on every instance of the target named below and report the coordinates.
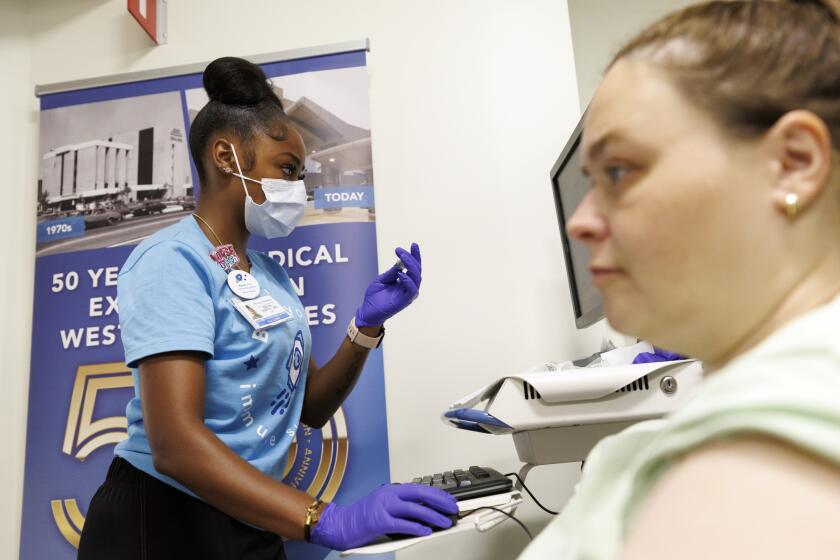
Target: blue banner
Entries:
(79, 383)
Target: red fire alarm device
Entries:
(151, 15)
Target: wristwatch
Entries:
(313, 515)
(362, 339)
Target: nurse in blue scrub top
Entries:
(222, 367)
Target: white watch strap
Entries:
(358, 337)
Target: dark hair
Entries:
(241, 102)
(750, 62)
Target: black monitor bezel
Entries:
(582, 320)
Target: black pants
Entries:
(134, 516)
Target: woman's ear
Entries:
(800, 147)
(222, 155)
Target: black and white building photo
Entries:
(111, 173)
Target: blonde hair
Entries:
(750, 62)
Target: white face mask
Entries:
(285, 202)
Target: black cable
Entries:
(524, 528)
(522, 483)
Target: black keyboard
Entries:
(474, 482)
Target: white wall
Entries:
(600, 29)
(18, 165)
(471, 102)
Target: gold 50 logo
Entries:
(317, 467)
(314, 465)
(83, 434)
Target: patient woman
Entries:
(713, 223)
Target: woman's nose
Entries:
(586, 223)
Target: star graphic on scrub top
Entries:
(252, 363)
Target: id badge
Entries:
(262, 312)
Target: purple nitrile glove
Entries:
(392, 291)
(658, 355)
(393, 508)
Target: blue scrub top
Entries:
(173, 297)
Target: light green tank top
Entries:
(788, 387)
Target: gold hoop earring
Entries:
(792, 204)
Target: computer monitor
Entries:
(570, 186)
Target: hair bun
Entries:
(235, 81)
(831, 7)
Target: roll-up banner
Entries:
(115, 168)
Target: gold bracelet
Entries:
(312, 516)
